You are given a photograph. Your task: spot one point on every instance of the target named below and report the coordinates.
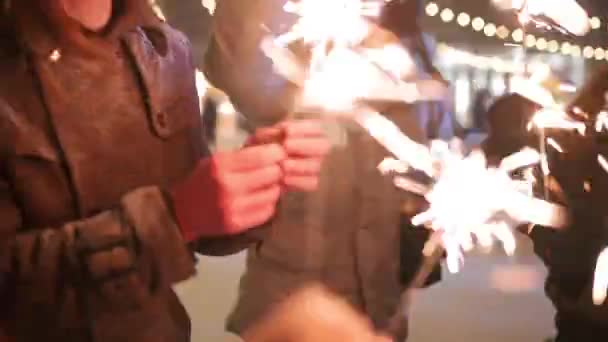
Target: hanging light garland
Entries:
(518, 36)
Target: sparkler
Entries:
(493, 203)
(601, 122)
(343, 73)
(600, 280)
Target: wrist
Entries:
(190, 202)
(176, 201)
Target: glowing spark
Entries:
(389, 165)
(493, 206)
(556, 119)
(555, 145)
(341, 74)
(390, 136)
(587, 186)
(580, 113)
(535, 92)
(321, 21)
(55, 56)
(409, 185)
(567, 88)
(600, 279)
(521, 159)
(603, 162)
(601, 122)
(529, 176)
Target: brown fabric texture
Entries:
(93, 128)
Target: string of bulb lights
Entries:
(518, 36)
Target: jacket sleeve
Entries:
(114, 261)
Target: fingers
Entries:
(302, 128)
(305, 138)
(302, 167)
(256, 200)
(307, 146)
(250, 158)
(247, 182)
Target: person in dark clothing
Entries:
(106, 187)
(579, 182)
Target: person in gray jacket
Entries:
(348, 234)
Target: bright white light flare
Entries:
(556, 119)
(600, 279)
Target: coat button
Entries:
(161, 119)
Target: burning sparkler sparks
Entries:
(600, 280)
(342, 71)
(342, 74)
(601, 122)
(556, 119)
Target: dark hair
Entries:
(508, 119)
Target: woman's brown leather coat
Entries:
(93, 128)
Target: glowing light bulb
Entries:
(541, 44)
(490, 30)
(478, 24)
(595, 23)
(447, 15)
(553, 46)
(518, 35)
(432, 9)
(588, 52)
(530, 41)
(464, 19)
